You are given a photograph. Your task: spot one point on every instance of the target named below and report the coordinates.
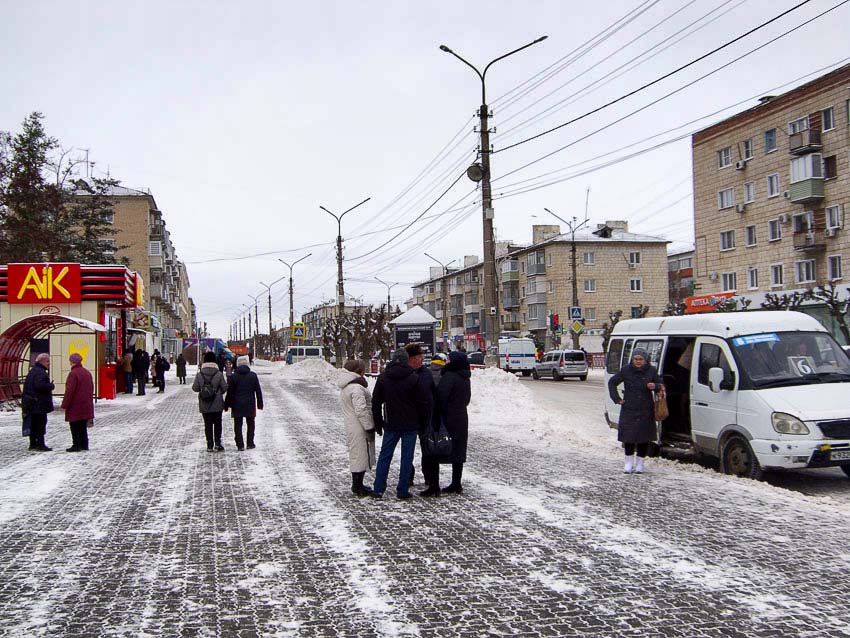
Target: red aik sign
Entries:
(40, 283)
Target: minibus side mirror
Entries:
(715, 379)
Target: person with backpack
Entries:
(211, 385)
(245, 396)
(161, 366)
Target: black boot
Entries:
(432, 490)
(357, 487)
(455, 486)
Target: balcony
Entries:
(535, 298)
(156, 231)
(155, 261)
(811, 240)
(537, 324)
(511, 275)
(510, 302)
(472, 329)
(806, 191)
(511, 326)
(156, 291)
(536, 269)
(807, 141)
(455, 311)
(471, 307)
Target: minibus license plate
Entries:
(840, 455)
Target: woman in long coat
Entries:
(356, 404)
(78, 403)
(453, 395)
(181, 368)
(636, 427)
(211, 409)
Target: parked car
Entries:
(517, 355)
(559, 364)
(294, 354)
(476, 360)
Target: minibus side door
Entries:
(712, 411)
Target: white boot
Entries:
(630, 465)
(639, 465)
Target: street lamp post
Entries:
(256, 320)
(481, 172)
(268, 287)
(573, 226)
(389, 287)
(291, 266)
(444, 298)
(340, 288)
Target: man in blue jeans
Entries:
(399, 407)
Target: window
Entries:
(773, 185)
(534, 311)
(615, 351)
(828, 116)
(109, 218)
(805, 271)
(750, 232)
(590, 314)
(524, 320)
(724, 157)
(685, 262)
(769, 141)
(774, 230)
(532, 286)
(523, 291)
(636, 284)
(830, 167)
(522, 266)
(109, 247)
(154, 248)
(806, 167)
(711, 356)
(729, 281)
(726, 198)
(727, 240)
(551, 286)
(748, 149)
(833, 217)
(798, 126)
(549, 259)
(803, 222)
(636, 312)
(749, 192)
(752, 278)
(590, 285)
(833, 267)
(588, 259)
(777, 277)
(634, 258)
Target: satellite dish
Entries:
(475, 172)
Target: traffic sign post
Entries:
(577, 327)
(299, 330)
(575, 313)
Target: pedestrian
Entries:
(438, 363)
(37, 401)
(453, 394)
(181, 369)
(416, 357)
(211, 385)
(398, 389)
(245, 397)
(228, 369)
(138, 372)
(356, 404)
(127, 369)
(250, 356)
(636, 425)
(78, 403)
(221, 360)
(161, 366)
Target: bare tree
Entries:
(837, 307)
(614, 317)
(785, 301)
(674, 309)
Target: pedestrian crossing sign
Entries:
(298, 330)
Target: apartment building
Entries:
(615, 270)
(770, 189)
(317, 316)
(680, 274)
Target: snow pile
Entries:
(316, 369)
(499, 399)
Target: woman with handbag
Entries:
(356, 404)
(636, 426)
(453, 395)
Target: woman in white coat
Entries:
(359, 428)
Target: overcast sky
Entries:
(243, 118)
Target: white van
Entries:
(294, 354)
(517, 355)
(757, 390)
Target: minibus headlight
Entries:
(787, 424)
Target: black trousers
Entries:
(642, 449)
(430, 471)
(38, 428)
(212, 428)
(237, 430)
(79, 434)
(140, 381)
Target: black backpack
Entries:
(208, 392)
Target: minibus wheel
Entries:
(846, 469)
(738, 459)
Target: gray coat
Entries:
(210, 372)
(637, 414)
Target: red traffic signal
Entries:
(556, 321)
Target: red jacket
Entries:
(78, 402)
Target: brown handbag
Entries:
(661, 410)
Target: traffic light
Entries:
(556, 321)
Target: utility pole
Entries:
(444, 311)
(573, 226)
(481, 173)
(340, 287)
(389, 287)
(291, 303)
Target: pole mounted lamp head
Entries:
(476, 172)
(443, 47)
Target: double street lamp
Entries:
(445, 301)
(573, 226)
(481, 173)
(291, 266)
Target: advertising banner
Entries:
(40, 283)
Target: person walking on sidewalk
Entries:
(211, 385)
(140, 370)
(127, 369)
(37, 401)
(453, 394)
(245, 397)
(181, 369)
(161, 366)
(78, 403)
(636, 426)
(399, 391)
(359, 425)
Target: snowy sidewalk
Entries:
(150, 535)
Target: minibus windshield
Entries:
(777, 359)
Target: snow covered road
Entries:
(150, 535)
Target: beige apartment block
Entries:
(771, 186)
(315, 319)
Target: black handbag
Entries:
(438, 443)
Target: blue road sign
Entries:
(575, 313)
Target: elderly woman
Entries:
(636, 427)
(359, 427)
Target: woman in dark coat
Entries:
(245, 397)
(636, 427)
(37, 401)
(78, 403)
(181, 368)
(453, 394)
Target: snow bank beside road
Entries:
(316, 369)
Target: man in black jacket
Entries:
(37, 401)
(407, 405)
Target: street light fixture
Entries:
(389, 287)
(291, 266)
(481, 172)
(445, 301)
(573, 226)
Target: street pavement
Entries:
(148, 534)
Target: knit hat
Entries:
(75, 359)
(640, 352)
(400, 356)
(242, 361)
